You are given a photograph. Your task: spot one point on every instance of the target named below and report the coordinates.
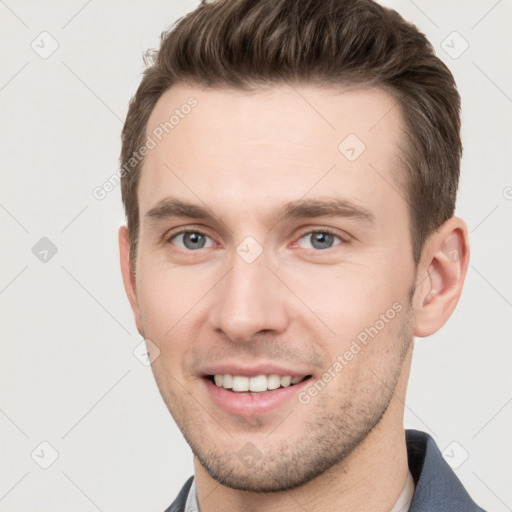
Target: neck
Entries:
(372, 477)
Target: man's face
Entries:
(301, 268)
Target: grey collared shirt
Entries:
(191, 504)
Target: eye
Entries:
(318, 240)
(190, 240)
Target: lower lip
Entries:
(256, 404)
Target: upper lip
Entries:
(251, 370)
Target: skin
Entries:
(244, 156)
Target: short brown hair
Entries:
(244, 44)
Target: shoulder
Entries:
(437, 486)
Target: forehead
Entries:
(277, 142)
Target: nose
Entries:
(248, 301)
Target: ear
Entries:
(129, 276)
(441, 273)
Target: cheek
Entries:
(166, 306)
(349, 297)
(165, 297)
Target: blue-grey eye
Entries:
(191, 240)
(319, 240)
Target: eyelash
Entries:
(325, 230)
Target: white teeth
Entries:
(240, 383)
(257, 384)
(273, 382)
(227, 381)
(286, 381)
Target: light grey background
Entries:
(68, 373)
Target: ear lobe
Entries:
(128, 274)
(447, 259)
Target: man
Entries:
(290, 170)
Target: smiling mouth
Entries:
(256, 384)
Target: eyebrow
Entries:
(171, 207)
